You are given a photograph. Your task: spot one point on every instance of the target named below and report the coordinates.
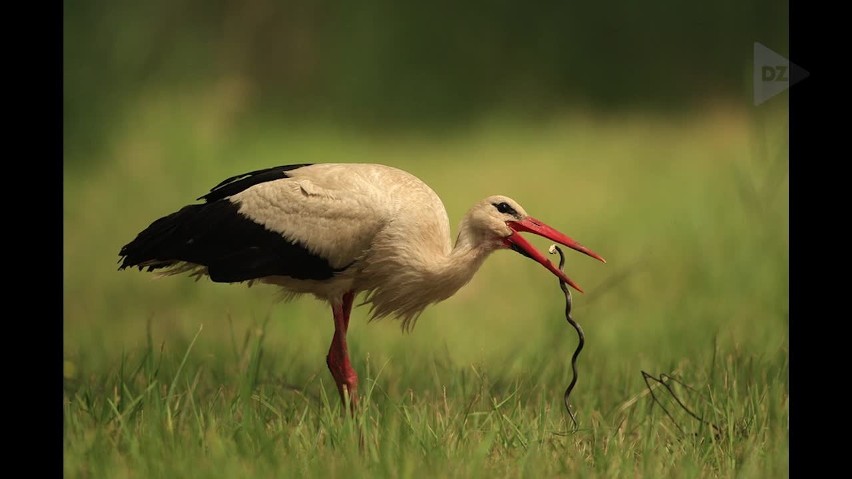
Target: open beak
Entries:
(529, 224)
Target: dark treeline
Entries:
(415, 63)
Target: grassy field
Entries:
(168, 377)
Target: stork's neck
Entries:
(423, 275)
(465, 259)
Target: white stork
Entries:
(336, 230)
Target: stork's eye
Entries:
(505, 208)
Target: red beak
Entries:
(517, 242)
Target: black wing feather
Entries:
(238, 183)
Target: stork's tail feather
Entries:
(217, 240)
(160, 245)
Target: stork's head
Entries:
(499, 220)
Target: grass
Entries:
(173, 378)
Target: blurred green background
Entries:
(630, 126)
(382, 65)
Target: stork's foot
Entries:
(346, 379)
(338, 354)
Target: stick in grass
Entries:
(582, 337)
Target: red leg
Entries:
(338, 354)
